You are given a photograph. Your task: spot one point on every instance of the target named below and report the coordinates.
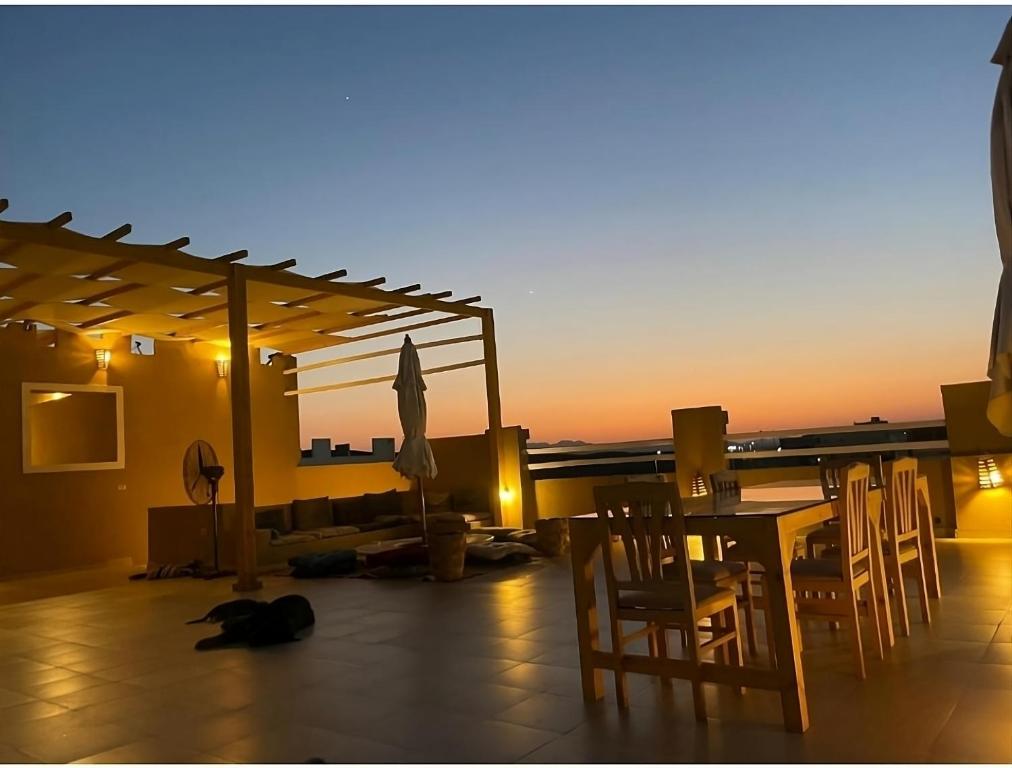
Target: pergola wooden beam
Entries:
(279, 266)
(338, 273)
(494, 407)
(400, 329)
(380, 353)
(357, 291)
(58, 237)
(118, 233)
(388, 307)
(127, 287)
(242, 432)
(379, 379)
(279, 325)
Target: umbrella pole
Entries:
(421, 500)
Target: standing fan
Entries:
(201, 475)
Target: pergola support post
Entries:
(494, 412)
(242, 432)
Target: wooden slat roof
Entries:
(87, 284)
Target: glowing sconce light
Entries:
(222, 365)
(698, 485)
(988, 475)
(102, 358)
(505, 495)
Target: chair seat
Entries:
(660, 601)
(834, 552)
(827, 534)
(822, 568)
(716, 570)
(905, 546)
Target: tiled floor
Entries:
(481, 670)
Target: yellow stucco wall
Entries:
(55, 521)
(699, 443)
(980, 513)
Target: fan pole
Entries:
(214, 522)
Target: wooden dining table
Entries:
(764, 532)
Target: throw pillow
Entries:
(388, 503)
(272, 518)
(309, 514)
(437, 502)
(350, 511)
(470, 500)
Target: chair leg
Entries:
(746, 588)
(922, 590)
(768, 625)
(618, 649)
(698, 696)
(718, 624)
(894, 570)
(662, 651)
(873, 613)
(734, 647)
(855, 635)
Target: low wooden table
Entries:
(764, 532)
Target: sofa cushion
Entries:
(351, 511)
(387, 503)
(337, 530)
(287, 539)
(375, 525)
(273, 518)
(437, 502)
(309, 514)
(396, 519)
(470, 500)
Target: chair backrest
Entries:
(725, 484)
(901, 507)
(831, 469)
(647, 517)
(855, 524)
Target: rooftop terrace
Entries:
(480, 670)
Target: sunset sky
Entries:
(784, 211)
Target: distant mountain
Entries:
(560, 444)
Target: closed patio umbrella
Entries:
(415, 458)
(999, 368)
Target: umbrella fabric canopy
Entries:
(415, 458)
(999, 368)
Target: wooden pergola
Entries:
(84, 284)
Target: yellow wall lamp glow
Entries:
(505, 495)
(221, 364)
(102, 357)
(988, 474)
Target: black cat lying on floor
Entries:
(257, 623)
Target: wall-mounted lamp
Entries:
(222, 365)
(505, 495)
(102, 358)
(698, 485)
(988, 474)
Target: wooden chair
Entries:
(830, 588)
(830, 475)
(725, 489)
(903, 544)
(647, 517)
